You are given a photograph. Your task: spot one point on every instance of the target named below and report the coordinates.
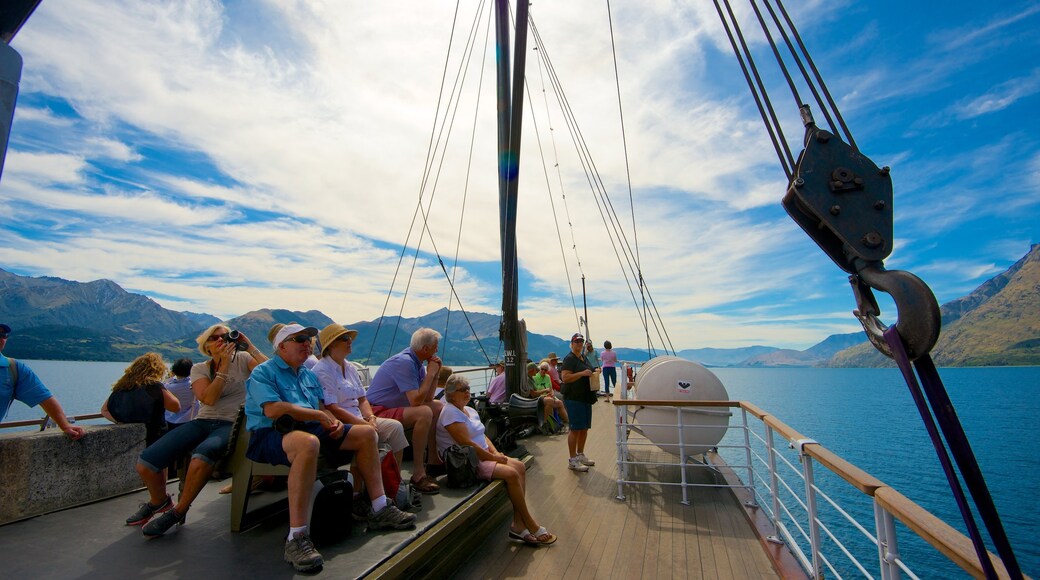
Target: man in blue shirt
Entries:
(29, 390)
(283, 386)
(404, 390)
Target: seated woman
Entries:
(460, 424)
(140, 397)
(541, 386)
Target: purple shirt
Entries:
(497, 389)
(397, 375)
(609, 358)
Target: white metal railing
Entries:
(798, 498)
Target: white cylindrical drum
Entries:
(669, 378)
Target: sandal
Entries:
(542, 537)
(426, 485)
(515, 535)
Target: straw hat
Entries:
(330, 333)
(551, 356)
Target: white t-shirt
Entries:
(342, 386)
(468, 417)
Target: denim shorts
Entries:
(265, 445)
(580, 414)
(205, 439)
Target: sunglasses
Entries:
(344, 338)
(213, 337)
(300, 338)
(3, 335)
(466, 390)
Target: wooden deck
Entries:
(649, 535)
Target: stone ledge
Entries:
(41, 472)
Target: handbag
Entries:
(461, 461)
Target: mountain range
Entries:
(997, 324)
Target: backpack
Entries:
(390, 471)
(331, 505)
(12, 369)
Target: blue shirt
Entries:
(397, 375)
(275, 381)
(29, 390)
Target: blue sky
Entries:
(227, 156)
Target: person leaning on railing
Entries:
(460, 424)
(19, 382)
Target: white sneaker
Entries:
(576, 465)
(585, 460)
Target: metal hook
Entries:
(918, 320)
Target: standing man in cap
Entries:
(18, 381)
(283, 386)
(578, 398)
(403, 389)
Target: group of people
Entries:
(190, 412)
(569, 389)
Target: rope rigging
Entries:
(440, 132)
(612, 223)
(843, 201)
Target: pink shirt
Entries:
(608, 358)
(496, 392)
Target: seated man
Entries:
(532, 390)
(554, 373)
(496, 391)
(403, 390)
(20, 382)
(283, 386)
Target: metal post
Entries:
(774, 488)
(621, 433)
(751, 468)
(810, 502)
(682, 458)
(10, 75)
(888, 549)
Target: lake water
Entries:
(864, 415)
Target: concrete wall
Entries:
(45, 471)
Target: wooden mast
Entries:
(510, 116)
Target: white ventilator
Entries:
(669, 378)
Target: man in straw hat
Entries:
(283, 386)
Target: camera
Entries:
(286, 424)
(236, 337)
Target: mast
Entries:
(510, 116)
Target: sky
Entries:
(223, 157)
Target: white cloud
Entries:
(293, 147)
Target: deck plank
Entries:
(649, 535)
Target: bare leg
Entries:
(580, 440)
(302, 450)
(572, 442)
(420, 419)
(155, 482)
(361, 439)
(563, 411)
(514, 485)
(436, 407)
(196, 478)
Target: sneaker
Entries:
(300, 552)
(391, 518)
(147, 510)
(163, 523)
(362, 509)
(576, 465)
(585, 460)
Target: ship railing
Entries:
(774, 469)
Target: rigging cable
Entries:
(435, 147)
(602, 199)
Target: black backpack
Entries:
(331, 504)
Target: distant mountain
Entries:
(60, 319)
(101, 305)
(201, 320)
(997, 324)
(724, 357)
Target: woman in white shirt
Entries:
(459, 423)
